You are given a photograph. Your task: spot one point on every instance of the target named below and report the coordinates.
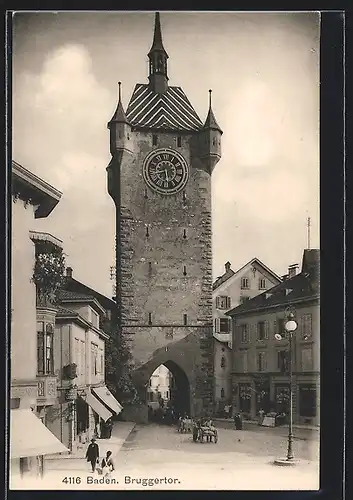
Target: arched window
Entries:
(223, 362)
(222, 393)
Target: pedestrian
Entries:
(107, 464)
(238, 421)
(92, 453)
(261, 416)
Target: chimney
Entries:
(292, 270)
(69, 272)
(227, 266)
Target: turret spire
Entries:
(119, 115)
(158, 56)
(211, 122)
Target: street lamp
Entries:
(290, 327)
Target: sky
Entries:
(263, 69)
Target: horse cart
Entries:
(202, 433)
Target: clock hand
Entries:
(166, 175)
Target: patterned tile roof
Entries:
(68, 295)
(171, 110)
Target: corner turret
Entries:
(120, 129)
(210, 151)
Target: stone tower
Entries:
(159, 177)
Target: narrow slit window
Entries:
(184, 196)
(150, 267)
(154, 140)
(150, 318)
(146, 194)
(179, 142)
(185, 319)
(147, 232)
(184, 270)
(184, 234)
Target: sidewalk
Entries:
(77, 460)
(254, 422)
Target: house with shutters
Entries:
(260, 355)
(230, 290)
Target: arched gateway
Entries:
(159, 177)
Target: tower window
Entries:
(179, 141)
(146, 194)
(185, 319)
(222, 393)
(147, 232)
(128, 137)
(184, 270)
(150, 268)
(223, 362)
(184, 234)
(154, 140)
(184, 196)
(150, 318)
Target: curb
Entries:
(73, 457)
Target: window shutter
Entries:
(217, 302)
(229, 302)
(266, 329)
(257, 327)
(217, 325)
(265, 361)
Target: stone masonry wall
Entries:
(161, 238)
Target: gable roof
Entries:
(77, 287)
(66, 296)
(303, 286)
(171, 110)
(64, 313)
(228, 274)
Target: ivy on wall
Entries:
(48, 271)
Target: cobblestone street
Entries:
(240, 460)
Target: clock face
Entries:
(165, 171)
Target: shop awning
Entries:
(97, 406)
(29, 437)
(107, 397)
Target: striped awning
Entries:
(108, 399)
(171, 110)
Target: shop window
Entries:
(307, 400)
(245, 397)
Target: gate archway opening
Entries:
(168, 392)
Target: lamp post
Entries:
(290, 327)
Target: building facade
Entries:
(160, 180)
(230, 290)
(84, 402)
(159, 386)
(260, 377)
(32, 198)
